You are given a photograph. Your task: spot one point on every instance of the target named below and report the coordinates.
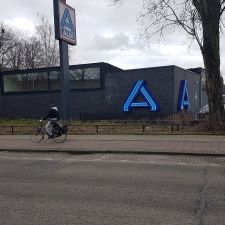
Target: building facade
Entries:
(101, 88)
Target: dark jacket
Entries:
(53, 113)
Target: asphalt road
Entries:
(58, 189)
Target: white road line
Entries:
(212, 164)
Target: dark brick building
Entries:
(97, 88)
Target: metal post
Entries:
(172, 128)
(196, 100)
(64, 65)
(65, 82)
(200, 91)
(143, 129)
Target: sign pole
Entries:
(65, 32)
(65, 83)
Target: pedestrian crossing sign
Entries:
(67, 23)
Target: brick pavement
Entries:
(173, 144)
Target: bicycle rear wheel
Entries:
(60, 135)
(37, 135)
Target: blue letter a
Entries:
(183, 101)
(66, 22)
(150, 101)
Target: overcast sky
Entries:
(107, 33)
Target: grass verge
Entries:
(24, 126)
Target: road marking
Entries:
(198, 161)
(212, 164)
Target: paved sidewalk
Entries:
(173, 144)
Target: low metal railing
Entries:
(100, 129)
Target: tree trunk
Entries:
(209, 11)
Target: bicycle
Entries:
(59, 133)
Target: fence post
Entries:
(172, 128)
(178, 128)
(143, 129)
(96, 128)
(12, 129)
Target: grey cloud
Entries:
(119, 41)
(26, 9)
(108, 33)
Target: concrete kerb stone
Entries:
(86, 152)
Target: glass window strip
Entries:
(49, 80)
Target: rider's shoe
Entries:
(50, 136)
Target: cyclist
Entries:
(53, 118)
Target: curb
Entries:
(84, 152)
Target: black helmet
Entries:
(52, 105)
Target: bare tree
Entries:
(12, 50)
(202, 20)
(6, 45)
(39, 50)
(49, 46)
(14, 56)
(32, 53)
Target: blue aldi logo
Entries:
(67, 27)
(140, 89)
(67, 23)
(183, 100)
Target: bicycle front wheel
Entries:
(37, 135)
